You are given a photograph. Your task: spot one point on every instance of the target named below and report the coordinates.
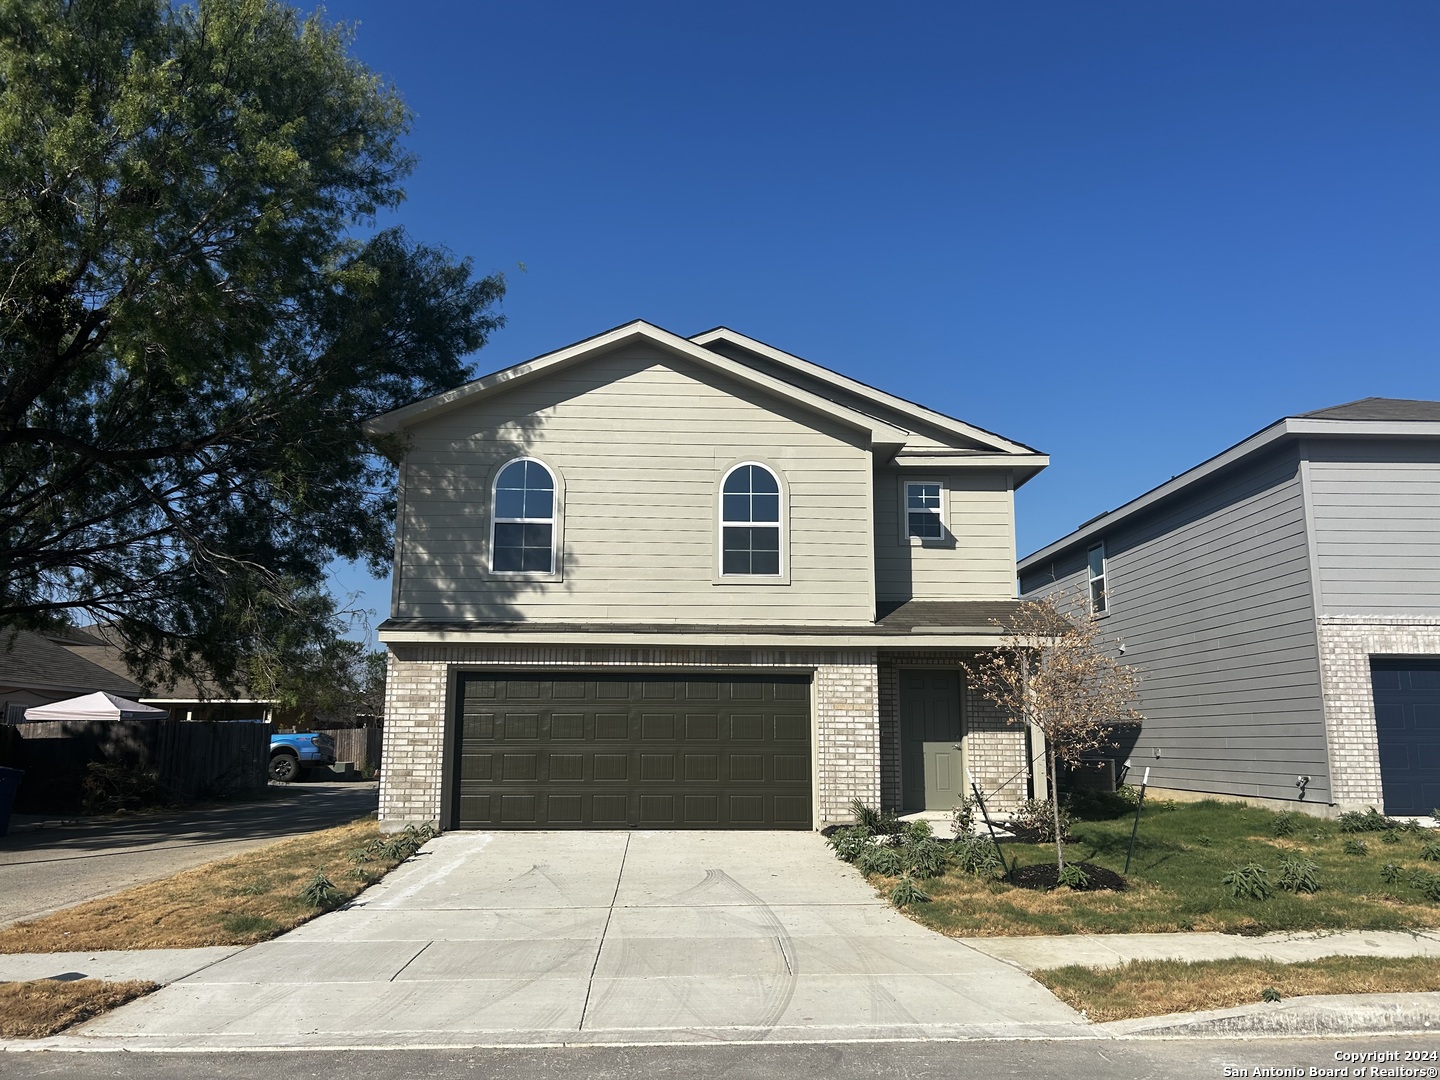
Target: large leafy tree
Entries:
(196, 311)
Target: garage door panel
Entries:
(603, 756)
(1407, 729)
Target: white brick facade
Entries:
(1347, 642)
(845, 713)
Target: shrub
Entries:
(1203, 840)
(925, 858)
(913, 832)
(876, 822)
(1284, 824)
(880, 859)
(977, 856)
(1390, 873)
(962, 817)
(1269, 994)
(1390, 837)
(110, 789)
(1426, 883)
(1354, 846)
(320, 891)
(1033, 822)
(1431, 851)
(849, 842)
(1297, 875)
(1354, 821)
(905, 892)
(1249, 881)
(1072, 877)
(1100, 805)
(1410, 825)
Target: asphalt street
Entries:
(1099, 1060)
(52, 867)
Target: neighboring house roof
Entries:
(1379, 408)
(44, 662)
(97, 645)
(1368, 417)
(800, 382)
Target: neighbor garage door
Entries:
(1407, 723)
(615, 751)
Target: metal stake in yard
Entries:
(980, 801)
(1144, 780)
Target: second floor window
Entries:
(750, 522)
(522, 528)
(1099, 602)
(924, 513)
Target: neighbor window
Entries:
(924, 513)
(750, 522)
(1099, 600)
(522, 527)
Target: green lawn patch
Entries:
(1178, 878)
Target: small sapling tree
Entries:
(1056, 675)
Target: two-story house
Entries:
(656, 581)
(1283, 602)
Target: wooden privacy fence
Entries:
(191, 759)
(360, 745)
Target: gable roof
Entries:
(887, 421)
(855, 388)
(1369, 417)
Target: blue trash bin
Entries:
(9, 785)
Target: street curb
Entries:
(1321, 1014)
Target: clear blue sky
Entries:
(1126, 233)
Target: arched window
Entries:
(522, 522)
(750, 522)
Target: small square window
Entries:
(924, 510)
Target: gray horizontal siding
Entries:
(639, 440)
(1211, 594)
(1375, 508)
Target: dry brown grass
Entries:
(32, 1010)
(1158, 987)
(237, 901)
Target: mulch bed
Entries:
(1046, 876)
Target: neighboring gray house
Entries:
(37, 669)
(1283, 602)
(648, 580)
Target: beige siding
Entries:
(639, 440)
(976, 562)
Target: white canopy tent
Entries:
(96, 706)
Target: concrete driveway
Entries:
(633, 937)
(45, 866)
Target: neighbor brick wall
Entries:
(994, 747)
(1347, 642)
(845, 713)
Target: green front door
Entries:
(932, 773)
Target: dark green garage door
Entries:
(1407, 725)
(615, 751)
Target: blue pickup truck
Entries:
(291, 754)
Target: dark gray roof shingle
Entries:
(1379, 408)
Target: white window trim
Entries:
(555, 522)
(946, 537)
(722, 578)
(1104, 580)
